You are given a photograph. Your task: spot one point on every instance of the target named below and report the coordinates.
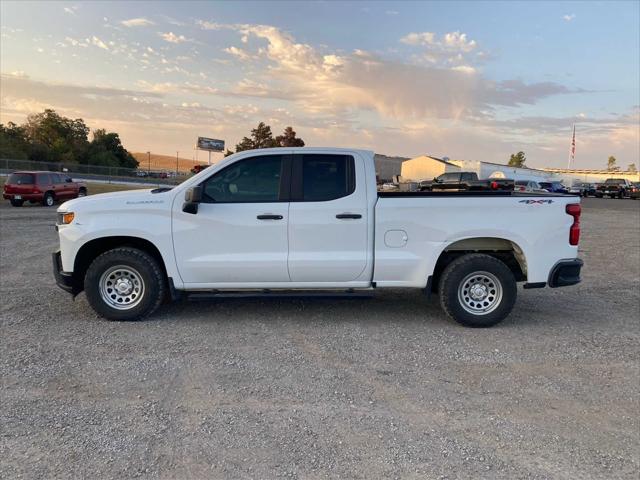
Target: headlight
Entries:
(65, 218)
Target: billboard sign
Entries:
(210, 144)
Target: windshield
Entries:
(20, 179)
(449, 177)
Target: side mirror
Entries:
(192, 197)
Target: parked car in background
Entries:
(457, 181)
(41, 187)
(528, 186)
(141, 173)
(614, 188)
(583, 189)
(198, 168)
(635, 191)
(554, 187)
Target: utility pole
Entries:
(177, 163)
(149, 163)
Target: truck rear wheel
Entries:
(477, 290)
(124, 284)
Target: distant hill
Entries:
(387, 167)
(164, 162)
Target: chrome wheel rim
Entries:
(480, 293)
(121, 287)
(49, 200)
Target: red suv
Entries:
(43, 187)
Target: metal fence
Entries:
(97, 172)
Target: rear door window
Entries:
(20, 179)
(321, 177)
(44, 179)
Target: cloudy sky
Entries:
(467, 80)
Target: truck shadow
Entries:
(387, 307)
(400, 307)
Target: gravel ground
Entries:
(380, 388)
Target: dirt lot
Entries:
(379, 388)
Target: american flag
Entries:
(572, 152)
(573, 143)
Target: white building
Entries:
(498, 170)
(426, 167)
(591, 176)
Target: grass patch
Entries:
(95, 188)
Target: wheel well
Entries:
(82, 188)
(505, 250)
(92, 249)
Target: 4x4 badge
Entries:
(531, 202)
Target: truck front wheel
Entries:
(477, 290)
(124, 284)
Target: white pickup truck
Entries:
(310, 221)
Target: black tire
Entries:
(48, 200)
(459, 271)
(149, 273)
(16, 203)
(82, 192)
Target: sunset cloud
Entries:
(137, 22)
(362, 80)
(173, 38)
(98, 43)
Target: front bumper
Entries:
(64, 280)
(565, 273)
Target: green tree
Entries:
(611, 163)
(13, 142)
(261, 137)
(245, 144)
(63, 139)
(632, 168)
(106, 149)
(228, 152)
(517, 160)
(289, 139)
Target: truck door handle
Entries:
(342, 216)
(269, 217)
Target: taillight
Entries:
(573, 209)
(494, 185)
